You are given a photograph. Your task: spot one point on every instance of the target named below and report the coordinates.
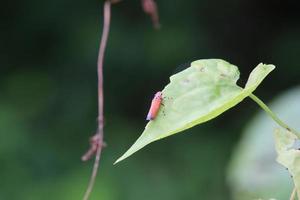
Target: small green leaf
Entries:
(197, 94)
(287, 155)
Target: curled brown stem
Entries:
(150, 8)
(96, 141)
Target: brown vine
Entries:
(96, 141)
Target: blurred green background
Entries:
(48, 93)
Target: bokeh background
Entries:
(48, 93)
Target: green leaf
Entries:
(195, 95)
(287, 155)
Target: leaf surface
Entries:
(287, 155)
(197, 94)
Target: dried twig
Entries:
(150, 8)
(96, 141)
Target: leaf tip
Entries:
(122, 158)
(116, 162)
(269, 67)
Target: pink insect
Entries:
(155, 105)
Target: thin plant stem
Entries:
(272, 115)
(103, 42)
(293, 194)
